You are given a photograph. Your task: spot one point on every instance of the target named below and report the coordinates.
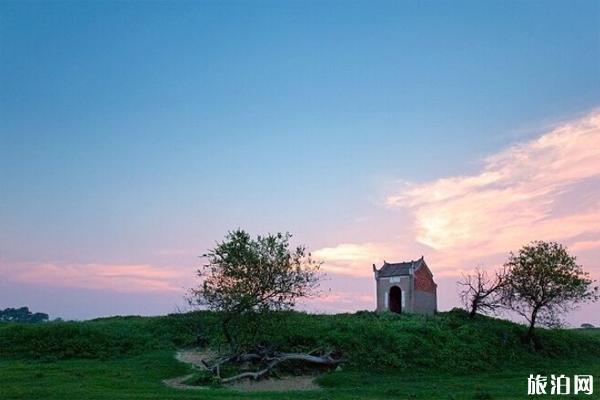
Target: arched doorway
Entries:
(395, 300)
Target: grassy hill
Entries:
(406, 356)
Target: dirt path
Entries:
(284, 384)
(177, 383)
(195, 357)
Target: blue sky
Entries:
(131, 129)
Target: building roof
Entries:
(401, 268)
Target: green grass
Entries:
(389, 357)
(592, 331)
(139, 377)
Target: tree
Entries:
(543, 282)
(481, 293)
(245, 275)
(22, 315)
(248, 277)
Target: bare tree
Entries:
(480, 292)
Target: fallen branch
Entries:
(278, 358)
(215, 366)
(326, 359)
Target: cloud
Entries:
(353, 258)
(547, 188)
(585, 245)
(343, 299)
(533, 190)
(117, 277)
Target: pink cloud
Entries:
(349, 258)
(117, 277)
(541, 189)
(585, 245)
(547, 188)
(515, 198)
(342, 300)
(355, 259)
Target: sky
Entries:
(134, 135)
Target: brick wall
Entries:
(424, 280)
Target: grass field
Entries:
(126, 358)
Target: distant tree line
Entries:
(22, 314)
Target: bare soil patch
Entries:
(194, 357)
(282, 384)
(177, 383)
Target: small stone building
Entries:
(406, 287)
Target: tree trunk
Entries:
(226, 320)
(474, 307)
(530, 331)
(472, 313)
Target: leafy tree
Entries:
(22, 314)
(545, 281)
(482, 293)
(245, 275)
